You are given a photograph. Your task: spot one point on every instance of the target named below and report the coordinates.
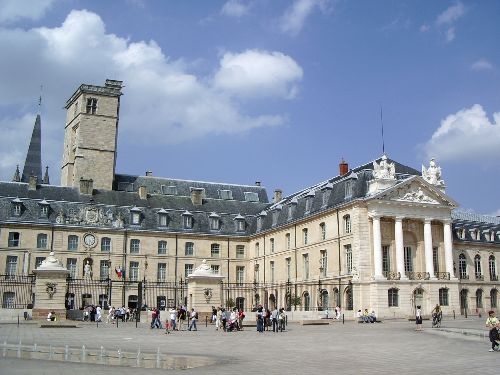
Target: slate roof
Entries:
(474, 223)
(33, 162)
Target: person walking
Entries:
(98, 312)
(494, 325)
(218, 319)
(193, 319)
(281, 319)
(418, 319)
(111, 315)
(259, 317)
(173, 318)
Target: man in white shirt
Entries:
(173, 318)
(193, 318)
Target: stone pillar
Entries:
(400, 261)
(377, 248)
(50, 289)
(429, 265)
(448, 247)
(204, 290)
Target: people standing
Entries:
(274, 319)
(98, 312)
(193, 319)
(218, 318)
(241, 316)
(494, 325)
(173, 318)
(111, 315)
(259, 317)
(181, 317)
(281, 319)
(418, 318)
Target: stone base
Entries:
(41, 314)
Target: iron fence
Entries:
(17, 292)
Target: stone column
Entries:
(50, 289)
(448, 253)
(400, 260)
(429, 265)
(377, 248)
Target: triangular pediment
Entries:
(416, 190)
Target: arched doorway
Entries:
(348, 300)
(463, 301)
(307, 301)
(335, 297)
(272, 301)
(324, 300)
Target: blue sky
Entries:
(273, 91)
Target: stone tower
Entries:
(90, 135)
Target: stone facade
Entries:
(381, 236)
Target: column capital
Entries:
(428, 220)
(446, 221)
(399, 218)
(374, 215)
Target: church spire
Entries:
(33, 163)
(17, 175)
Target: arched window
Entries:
(493, 298)
(493, 268)
(307, 301)
(462, 266)
(393, 297)
(347, 224)
(348, 298)
(479, 298)
(477, 267)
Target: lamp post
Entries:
(144, 281)
(320, 290)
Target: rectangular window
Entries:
(348, 258)
(305, 260)
(347, 224)
(226, 194)
(10, 266)
(287, 240)
(162, 247)
(188, 270)
(271, 241)
(44, 211)
(326, 196)
(91, 106)
(215, 250)
(169, 190)
(240, 251)
(386, 260)
(256, 273)
(257, 249)
(240, 275)
(393, 297)
(162, 272)
(443, 297)
(189, 249)
(215, 269)
(214, 223)
(133, 271)
(162, 220)
(14, 239)
(17, 209)
(38, 261)
(322, 229)
(188, 221)
(288, 268)
(104, 270)
(135, 246)
(305, 236)
(271, 270)
(408, 259)
(251, 196)
(72, 242)
(106, 244)
(323, 262)
(41, 241)
(71, 266)
(435, 259)
(308, 204)
(348, 189)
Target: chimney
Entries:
(343, 167)
(32, 183)
(278, 195)
(257, 183)
(86, 186)
(197, 196)
(149, 173)
(143, 193)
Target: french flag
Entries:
(119, 272)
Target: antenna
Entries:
(40, 100)
(382, 125)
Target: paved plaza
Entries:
(390, 347)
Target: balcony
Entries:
(479, 277)
(418, 275)
(464, 276)
(494, 278)
(443, 275)
(389, 275)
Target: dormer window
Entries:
(214, 220)
(475, 235)
(309, 200)
(135, 216)
(260, 220)
(240, 223)
(17, 207)
(226, 194)
(291, 208)
(348, 189)
(276, 214)
(327, 190)
(162, 218)
(91, 107)
(461, 233)
(187, 220)
(44, 209)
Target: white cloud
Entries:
(481, 65)
(255, 73)
(295, 16)
(451, 14)
(424, 28)
(235, 8)
(14, 10)
(163, 101)
(450, 34)
(467, 135)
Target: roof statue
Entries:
(433, 174)
(384, 170)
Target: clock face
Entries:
(89, 239)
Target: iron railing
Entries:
(17, 292)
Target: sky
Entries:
(264, 90)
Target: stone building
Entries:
(381, 236)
